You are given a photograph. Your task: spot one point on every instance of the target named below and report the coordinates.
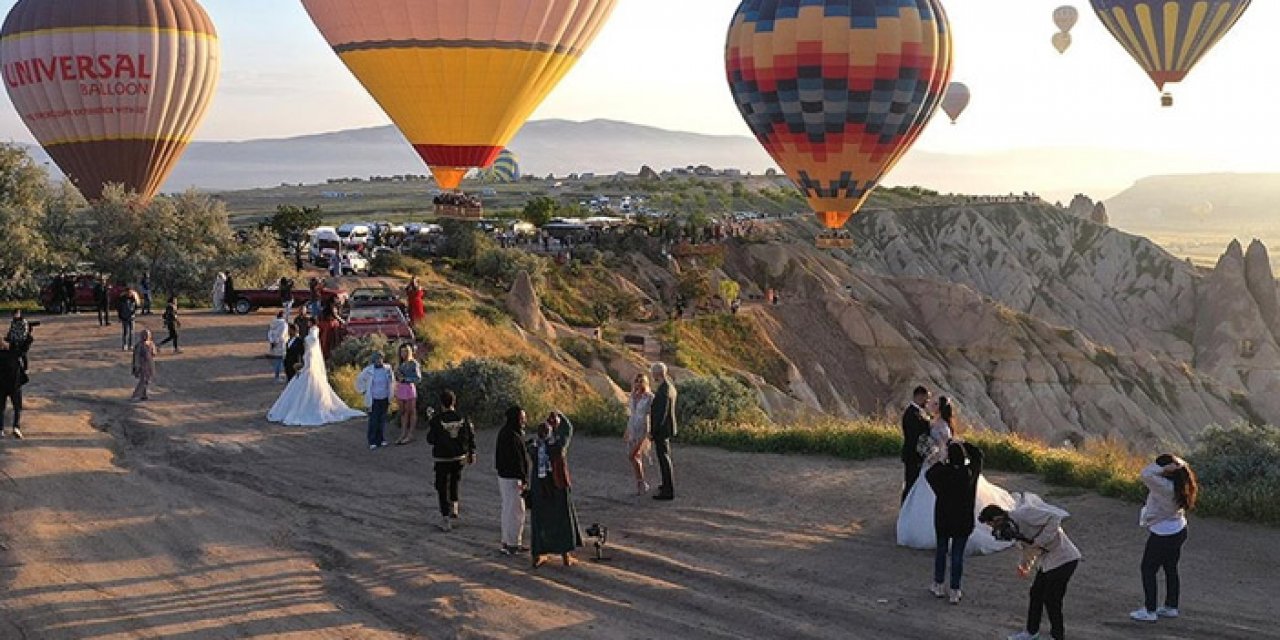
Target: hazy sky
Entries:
(660, 62)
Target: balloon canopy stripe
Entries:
(457, 156)
(458, 44)
(162, 15)
(836, 90)
(1168, 37)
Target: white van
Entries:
(325, 243)
(355, 234)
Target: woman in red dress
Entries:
(417, 312)
(330, 326)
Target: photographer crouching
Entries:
(1046, 551)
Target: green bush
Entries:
(503, 265)
(390, 262)
(716, 399)
(356, 352)
(485, 389)
(598, 416)
(1239, 471)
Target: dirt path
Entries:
(191, 517)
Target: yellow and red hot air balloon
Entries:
(113, 89)
(459, 77)
(1168, 37)
(838, 90)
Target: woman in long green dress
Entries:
(553, 518)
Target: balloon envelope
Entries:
(1062, 41)
(1168, 37)
(1066, 17)
(506, 168)
(113, 89)
(838, 90)
(459, 77)
(956, 100)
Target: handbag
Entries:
(560, 470)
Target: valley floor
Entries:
(191, 517)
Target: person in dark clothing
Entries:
(294, 349)
(69, 294)
(230, 294)
(12, 378)
(955, 483)
(915, 423)
(19, 337)
(144, 287)
(172, 323)
(286, 296)
(126, 311)
(297, 261)
(102, 302)
(662, 428)
(453, 441)
(513, 464)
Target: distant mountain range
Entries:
(604, 147)
(1245, 202)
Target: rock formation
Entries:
(1081, 206)
(522, 302)
(1099, 215)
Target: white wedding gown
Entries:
(308, 400)
(915, 519)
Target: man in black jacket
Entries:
(102, 302)
(11, 380)
(662, 428)
(126, 311)
(453, 441)
(915, 423)
(955, 483)
(513, 465)
(293, 352)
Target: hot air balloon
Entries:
(1066, 17)
(113, 89)
(1062, 41)
(838, 90)
(506, 169)
(956, 100)
(459, 77)
(1168, 37)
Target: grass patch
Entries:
(724, 345)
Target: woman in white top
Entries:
(915, 519)
(1172, 489)
(637, 434)
(308, 400)
(277, 333)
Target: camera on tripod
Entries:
(601, 535)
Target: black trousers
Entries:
(16, 397)
(448, 476)
(1047, 592)
(104, 316)
(662, 449)
(910, 473)
(172, 337)
(1163, 552)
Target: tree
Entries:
(291, 224)
(540, 210)
(729, 291)
(694, 285)
(23, 195)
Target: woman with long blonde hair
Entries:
(408, 375)
(637, 434)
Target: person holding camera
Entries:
(513, 464)
(1172, 488)
(955, 483)
(12, 377)
(20, 337)
(554, 522)
(453, 441)
(1046, 551)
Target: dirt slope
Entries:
(191, 517)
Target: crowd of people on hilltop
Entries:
(458, 200)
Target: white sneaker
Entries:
(1142, 615)
(954, 596)
(17, 433)
(1167, 612)
(938, 590)
(445, 525)
(1024, 635)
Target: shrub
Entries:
(490, 314)
(1239, 470)
(356, 352)
(392, 263)
(503, 265)
(716, 399)
(485, 389)
(596, 416)
(343, 379)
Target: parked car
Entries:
(354, 264)
(366, 297)
(249, 300)
(386, 320)
(83, 295)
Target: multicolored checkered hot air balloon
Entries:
(838, 90)
(506, 169)
(1168, 37)
(113, 89)
(459, 77)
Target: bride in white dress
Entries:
(308, 400)
(915, 519)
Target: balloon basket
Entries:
(835, 243)
(1166, 100)
(452, 212)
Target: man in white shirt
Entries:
(375, 383)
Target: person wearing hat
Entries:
(375, 383)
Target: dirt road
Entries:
(191, 517)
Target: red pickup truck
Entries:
(50, 298)
(250, 300)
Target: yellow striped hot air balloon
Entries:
(459, 77)
(113, 89)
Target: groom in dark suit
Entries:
(662, 428)
(915, 423)
(293, 351)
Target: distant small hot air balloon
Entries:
(1066, 17)
(113, 89)
(1168, 37)
(1062, 41)
(838, 91)
(956, 100)
(459, 77)
(506, 169)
